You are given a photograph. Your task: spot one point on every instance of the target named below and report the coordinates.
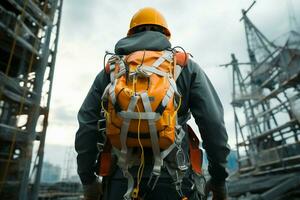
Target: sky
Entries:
(209, 30)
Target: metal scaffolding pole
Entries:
(28, 47)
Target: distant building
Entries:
(50, 173)
(74, 178)
(232, 163)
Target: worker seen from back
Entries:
(133, 130)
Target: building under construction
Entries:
(266, 104)
(29, 32)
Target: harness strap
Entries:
(167, 97)
(151, 69)
(177, 175)
(111, 92)
(130, 184)
(106, 91)
(167, 55)
(153, 135)
(178, 139)
(122, 70)
(169, 94)
(123, 158)
(110, 88)
(135, 115)
(111, 71)
(178, 70)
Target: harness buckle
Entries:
(100, 146)
(152, 181)
(181, 160)
(101, 124)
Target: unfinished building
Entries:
(266, 105)
(29, 32)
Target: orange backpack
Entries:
(143, 97)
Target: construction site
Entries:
(29, 33)
(265, 102)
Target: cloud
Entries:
(210, 30)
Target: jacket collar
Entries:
(147, 40)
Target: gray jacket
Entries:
(199, 97)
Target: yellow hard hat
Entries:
(148, 16)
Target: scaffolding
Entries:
(266, 105)
(29, 31)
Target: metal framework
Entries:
(29, 32)
(266, 104)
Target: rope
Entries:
(106, 113)
(142, 163)
(179, 105)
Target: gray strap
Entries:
(168, 55)
(178, 70)
(122, 159)
(153, 135)
(178, 139)
(112, 72)
(122, 65)
(141, 71)
(104, 95)
(112, 92)
(142, 115)
(173, 85)
(180, 134)
(167, 97)
(125, 125)
(126, 173)
(153, 70)
(176, 174)
(167, 151)
(130, 185)
(122, 70)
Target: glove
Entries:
(93, 191)
(218, 190)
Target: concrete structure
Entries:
(29, 32)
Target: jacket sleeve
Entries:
(87, 135)
(207, 110)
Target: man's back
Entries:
(198, 97)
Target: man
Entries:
(149, 31)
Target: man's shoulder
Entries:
(193, 66)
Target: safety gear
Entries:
(198, 96)
(141, 98)
(196, 159)
(93, 191)
(141, 110)
(148, 16)
(218, 189)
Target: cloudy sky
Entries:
(209, 30)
